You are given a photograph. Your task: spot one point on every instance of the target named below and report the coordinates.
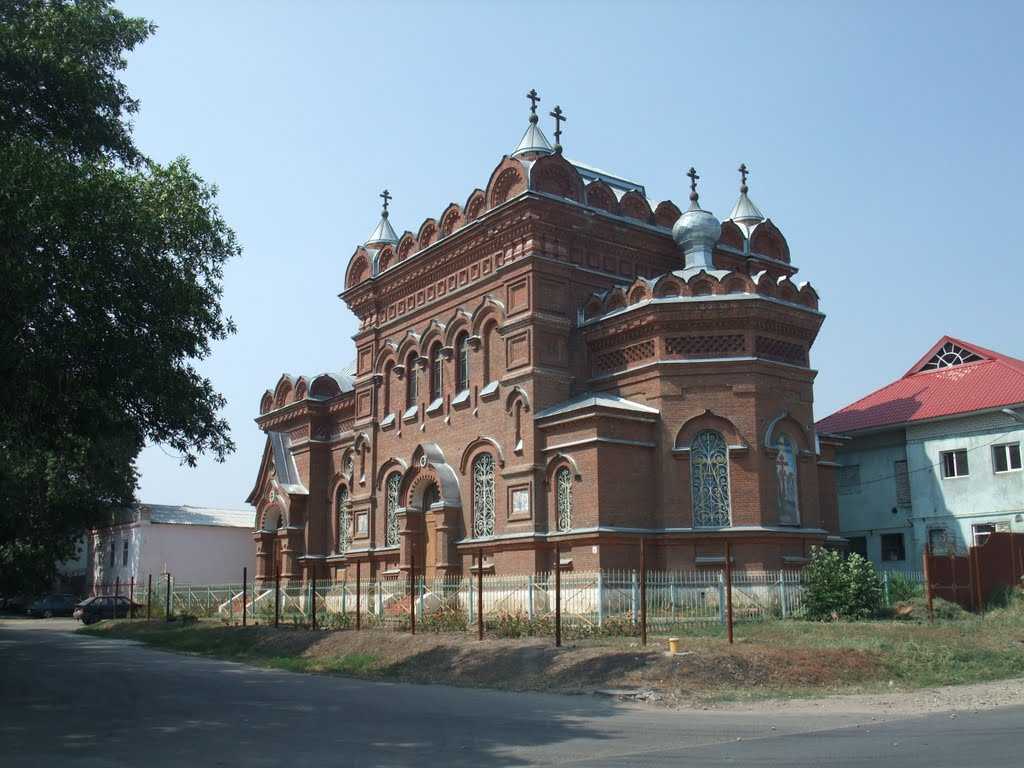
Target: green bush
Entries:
(840, 587)
(518, 624)
(448, 618)
(903, 589)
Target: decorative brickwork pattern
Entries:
(725, 345)
(623, 358)
(783, 351)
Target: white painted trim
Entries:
(594, 440)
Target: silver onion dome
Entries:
(696, 231)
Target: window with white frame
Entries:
(954, 463)
(1006, 457)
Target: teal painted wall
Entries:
(955, 504)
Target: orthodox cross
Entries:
(559, 119)
(534, 98)
(743, 175)
(692, 173)
(387, 197)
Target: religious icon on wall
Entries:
(786, 482)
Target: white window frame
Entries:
(1004, 448)
(956, 464)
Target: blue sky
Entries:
(883, 139)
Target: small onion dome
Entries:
(696, 228)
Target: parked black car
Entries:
(53, 605)
(94, 609)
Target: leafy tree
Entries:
(112, 268)
(841, 587)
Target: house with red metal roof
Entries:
(933, 457)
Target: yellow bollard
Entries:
(673, 645)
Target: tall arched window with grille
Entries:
(709, 480)
(462, 367)
(563, 498)
(483, 495)
(344, 520)
(391, 510)
(411, 380)
(436, 372)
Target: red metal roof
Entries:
(994, 381)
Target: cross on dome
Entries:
(386, 196)
(745, 213)
(743, 177)
(692, 173)
(534, 142)
(559, 119)
(534, 100)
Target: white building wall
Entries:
(198, 554)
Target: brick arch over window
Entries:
(271, 515)
(430, 456)
(784, 422)
(561, 476)
(707, 420)
(475, 445)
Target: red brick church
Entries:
(558, 359)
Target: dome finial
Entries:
(743, 176)
(692, 173)
(534, 99)
(559, 119)
(383, 233)
(745, 213)
(386, 196)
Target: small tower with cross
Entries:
(384, 233)
(534, 143)
(745, 213)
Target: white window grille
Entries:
(709, 480)
(391, 511)
(949, 355)
(483, 495)
(344, 521)
(563, 490)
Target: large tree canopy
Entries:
(111, 270)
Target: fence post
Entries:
(728, 588)
(600, 598)
(423, 594)
(529, 598)
(359, 586)
(245, 591)
(928, 579)
(379, 591)
(885, 588)
(480, 594)
(149, 598)
(558, 595)
(312, 600)
(643, 590)
(632, 597)
(277, 594)
(412, 588)
(131, 598)
(782, 594)
(721, 598)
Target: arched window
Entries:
(563, 498)
(436, 372)
(411, 393)
(488, 352)
(709, 480)
(391, 511)
(462, 367)
(388, 369)
(483, 495)
(517, 409)
(788, 489)
(344, 520)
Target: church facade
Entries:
(558, 360)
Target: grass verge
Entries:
(774, 659)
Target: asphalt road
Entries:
(78, 701)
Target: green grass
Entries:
(770, 659)
(232, 644)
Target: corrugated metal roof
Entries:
(995, 381)
(591, 400)
(172, 514)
